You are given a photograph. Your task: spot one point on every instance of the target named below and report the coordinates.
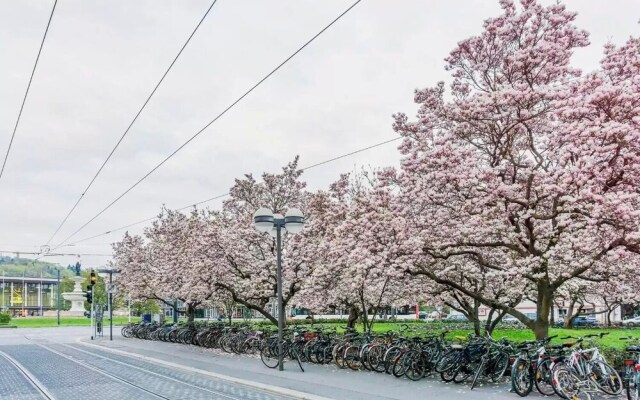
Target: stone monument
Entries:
(76, 297)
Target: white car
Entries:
(635, 321)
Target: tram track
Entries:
(105, 373)
(49, 370)
(33, 381)
(129, 365)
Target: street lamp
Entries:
(266, 222)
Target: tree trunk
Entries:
(476, 326)
(541, 329)
(491, 323)
(353, 316)
(191, 313)
(568, 318)
(543, 308)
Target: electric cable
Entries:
(233, 104)
(135, 118)
(26, 93)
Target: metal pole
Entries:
(280, 309)
(91, 316)
(129, 307)
(59, 296)
(110, 306)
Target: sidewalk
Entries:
(320, 380)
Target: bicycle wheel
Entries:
(375, 357)
(448, 361)
(400, 365)
(250, 346)
(607, 378)
(542, 378)
(338, 355)
(567, 384)
(521, 380)
(448, 375)
(416, 365)
(463, 373)
(390, 357)
(633, 388)
(500, 365)
(352, 357)
(269, 355)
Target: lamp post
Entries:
(265, 221)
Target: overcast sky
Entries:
(102, 58)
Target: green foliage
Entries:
(145, 307)
(5, 318)
(11, 266)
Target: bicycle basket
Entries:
(310, 335)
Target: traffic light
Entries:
(93, 278)
(89, 294)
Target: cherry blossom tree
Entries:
(168, 266)
(243, 260)
(526, 168)
(363, 271)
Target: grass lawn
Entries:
(611, 340)
(41, 322)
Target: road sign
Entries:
(111, 288)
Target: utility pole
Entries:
(59, 289)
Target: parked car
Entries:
(456, 318)
(631, 322)
(581, 321)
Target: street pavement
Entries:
(49, 363)
(71, 366)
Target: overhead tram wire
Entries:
(233, 104)
(26, 93)
(220, 196)
(55, 254)
(135, 118)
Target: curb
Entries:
(262, 386)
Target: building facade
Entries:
(24, 296)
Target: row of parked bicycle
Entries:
(573, 370)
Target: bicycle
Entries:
(270, 352)
(529, 369)
(631, 379)
(584, 371)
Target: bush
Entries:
(5, 318)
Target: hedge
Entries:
(5, 318)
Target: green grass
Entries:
(611, 340)
(43, 322)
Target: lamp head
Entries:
(263, 220)
(294, 221)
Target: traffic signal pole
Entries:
(92, 278)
